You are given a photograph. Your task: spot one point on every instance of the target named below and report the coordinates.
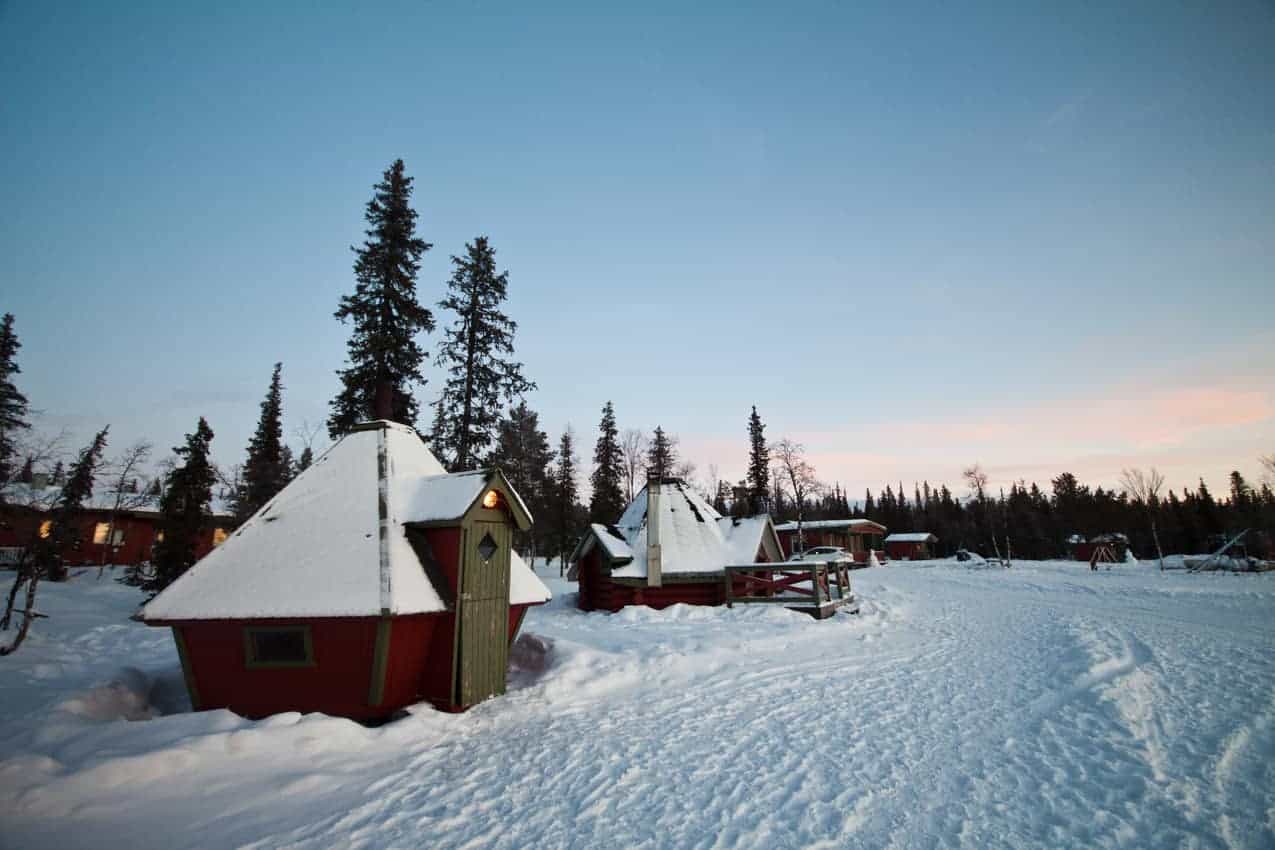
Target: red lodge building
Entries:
(860, 537)
(107, 535)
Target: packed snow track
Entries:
(1041, 706)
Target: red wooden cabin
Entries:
(860, 537)
(373, 581)
(911, 545)
(669, 546)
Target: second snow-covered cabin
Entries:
(374, 580)
(669, 546)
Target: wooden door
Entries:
(482, 652)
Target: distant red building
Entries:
(106, 536)
(1083, 550)
(859, 537)
(911, 545)
(373, 581)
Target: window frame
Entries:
(251, 662)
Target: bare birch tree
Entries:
(1145, 488)
(976, 478)
(633, 453)
(793, 473)
(125, 491)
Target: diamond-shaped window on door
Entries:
(487, 547)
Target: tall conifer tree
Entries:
(184, 509)
(383, 355)
(13, 404)
(477, 352)
(661, 458)
(566, 500)
(268, 467)
(607, 480)
(522, 452)
(758, 464)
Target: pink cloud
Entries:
(1187, 432)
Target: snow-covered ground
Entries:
(1043, 706)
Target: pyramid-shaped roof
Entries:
(319, 548)
(694, 538)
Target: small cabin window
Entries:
(102, 530)
(286, 646)
(219, 536)
(46, 528)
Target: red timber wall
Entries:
(911, 551)
(598, 592)
(339, 682)
(19, 526)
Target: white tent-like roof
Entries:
(694, 538)
(322, 548)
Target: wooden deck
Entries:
(817, 588)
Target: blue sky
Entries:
(1037, 236)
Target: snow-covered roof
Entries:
(746, 535)
(525, 587)
(694, 538)
(318, 548)
(861, 526)
(610, 538)
(912, 537)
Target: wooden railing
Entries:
(818, 586)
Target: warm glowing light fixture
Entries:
(490, 499)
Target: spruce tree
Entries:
(566, 500)
(184, 509)
(477, 353)
(383, 355)
(758, 464)
(607, 479)
(304, 461)
(43, 558)
(522, 452)
(266, 470)
(661, 458)
(13, 404)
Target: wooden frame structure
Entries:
(783, 584)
